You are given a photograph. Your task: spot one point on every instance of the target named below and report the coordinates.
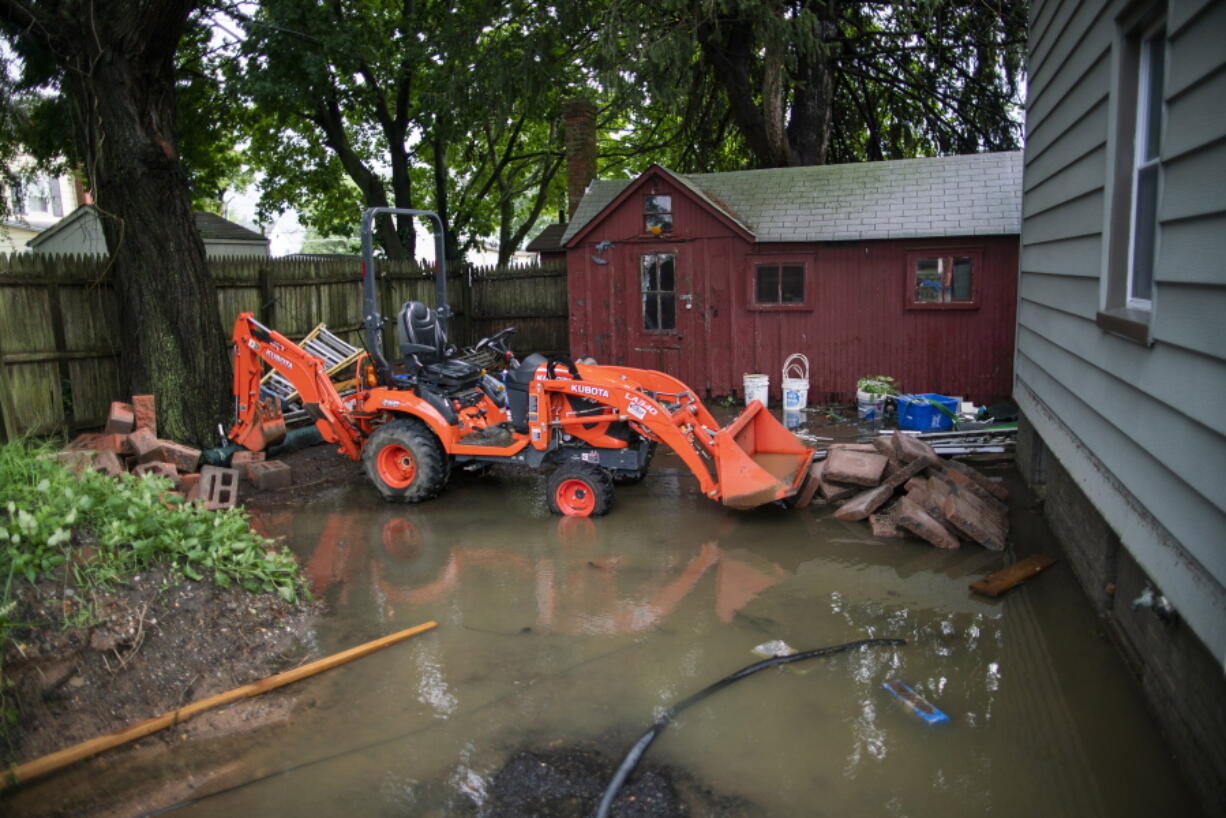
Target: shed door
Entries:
(659, 309)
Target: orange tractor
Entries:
(439, 406)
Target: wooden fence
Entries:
(59, 340)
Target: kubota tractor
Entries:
(439, 406)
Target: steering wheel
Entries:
(499, 341)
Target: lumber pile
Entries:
(902, 487)
(130, 444)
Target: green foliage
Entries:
(877, 385)
(134, 521)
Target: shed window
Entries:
(658, 214)
(658, 283)
(779, 283)
(942, 280)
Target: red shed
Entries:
(905, 268)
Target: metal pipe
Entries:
(372, 321)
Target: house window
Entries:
(943, 279)
(658, 214)
(1136, 185)
(1145, 167)
(658, 285)
(779, 284)
(42, 195)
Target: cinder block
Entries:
(158, 467)
(146, 410)
(855, 467)
(121, 419)
(185, 458)
(269, 475)
(218, 488)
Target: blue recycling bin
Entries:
(918, 414)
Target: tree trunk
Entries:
(121, 79)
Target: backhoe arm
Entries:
(255, 343)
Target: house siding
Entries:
(1139, 430)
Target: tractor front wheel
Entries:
(405, 461)
(580, 489)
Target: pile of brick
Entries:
(903, 487)
(130, 443)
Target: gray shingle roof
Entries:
(212, 226)
(971, 195)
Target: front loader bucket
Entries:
(758, 460)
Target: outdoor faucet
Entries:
(1157, 602)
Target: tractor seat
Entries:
(422, 340)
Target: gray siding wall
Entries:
(1139, 428)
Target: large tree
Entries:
(803, 82)
(114, 62)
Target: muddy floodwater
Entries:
(557, 633)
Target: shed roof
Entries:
(210, 226)
(967, 195)
(548, 240)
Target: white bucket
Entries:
(795, 382)
(870, 406)
(757, 388)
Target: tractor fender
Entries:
(407, 404)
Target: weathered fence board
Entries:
(59, 328)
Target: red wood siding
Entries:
(857, 325)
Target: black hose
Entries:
(640, 746)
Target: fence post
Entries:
(8, 414)
(61, 342)
(268, 296)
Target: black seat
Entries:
(422, 340)
(517, 389)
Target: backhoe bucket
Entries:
(758, 460)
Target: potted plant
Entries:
(871, 392)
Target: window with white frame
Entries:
(1145, 170)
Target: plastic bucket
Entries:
(870, 406)
(757, 388)
(795, 382)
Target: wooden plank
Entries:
(997, 582)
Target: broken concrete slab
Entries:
(910, 447)
(121, 419)
(865, 503)
(980, 479)
(976, 520)
(144, 407)
(836, 492)
(918, 522)
(855, 467)
(886, 525)
(814, 479)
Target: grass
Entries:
(130, 524)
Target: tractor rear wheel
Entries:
(580, 489)
(405, 461)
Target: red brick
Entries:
(865, 503)
(146, 410)
(269, 475)
(185, 458)
(884, 445)
(83, 442)
(188, 484)
(121, 419)
(108, 463)
(933, 501)
(982, 480)
(157, 467)
(918, 522)
(966, 485)
(119, 444)
(147, 447)
(78, 460)
(244, 456)
(857, 468)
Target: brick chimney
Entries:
(579, 125)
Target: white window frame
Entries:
(1141, 163)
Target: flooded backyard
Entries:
(570, 636)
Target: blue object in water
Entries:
(915, 702)
(919, 414)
